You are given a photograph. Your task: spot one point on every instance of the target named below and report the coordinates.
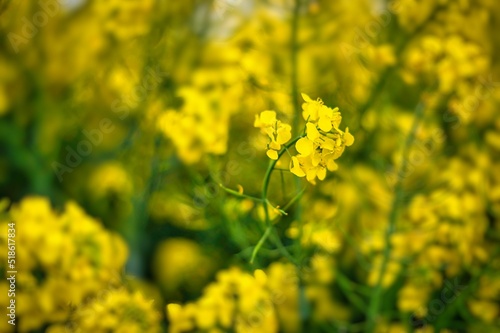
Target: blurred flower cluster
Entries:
(63, 260)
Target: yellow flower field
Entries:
(266, 166)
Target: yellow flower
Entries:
(484, 309)
(231, 301)
(118, 310)
(306, 166)
(295, 167)
(310, 109)
(265, 302)
(72, 263)
(348, 138)
(278, 132)
(265, 119)
(304, 146)
(323, 144)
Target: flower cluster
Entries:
(119, 310)
(200, 126)
(485, 304)
(317, 151)
(124, 21)
(279, 133)
(324, 142)
(241, 302)
(196, 129)
(64, 258)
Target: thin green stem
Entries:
(294, 199)
(281, 247)
(238, 194)
(283, 186)
(353, 244)
(265, 202)
(257, 247)
(272, 164)
(348, 291)
(375, 300)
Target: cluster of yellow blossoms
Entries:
(124, 20)
(200, 126)
(240, 301)
(323, 144)
(484, 304)
(196, 129)
(266, 301)
(63, 260)
(119, 310)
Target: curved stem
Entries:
(376, 298)
(238, 194)
(272, 164)
(265, 202)
(260, 243)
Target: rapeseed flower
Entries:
(324, 141)
(279, 133)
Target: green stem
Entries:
(350, 294)
(238, 194)
(260, 243)
(272, 164)
(265, 187)
(292, 201)
(376, 298)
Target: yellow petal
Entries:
(257, 122)
(272, 154)
(331, 165)
(325, 124)
(349, 139)
(284, 134)
(325, 111)
(268, 117)
(316, 158)
(174, 311)
(328, 144)
(306, 97)
(295, 167)
(269, 131)
(321, 173)
(304, 146)
(311, 174)
(274, 145)
(312, 131)
(260, 276)
(306, 112)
